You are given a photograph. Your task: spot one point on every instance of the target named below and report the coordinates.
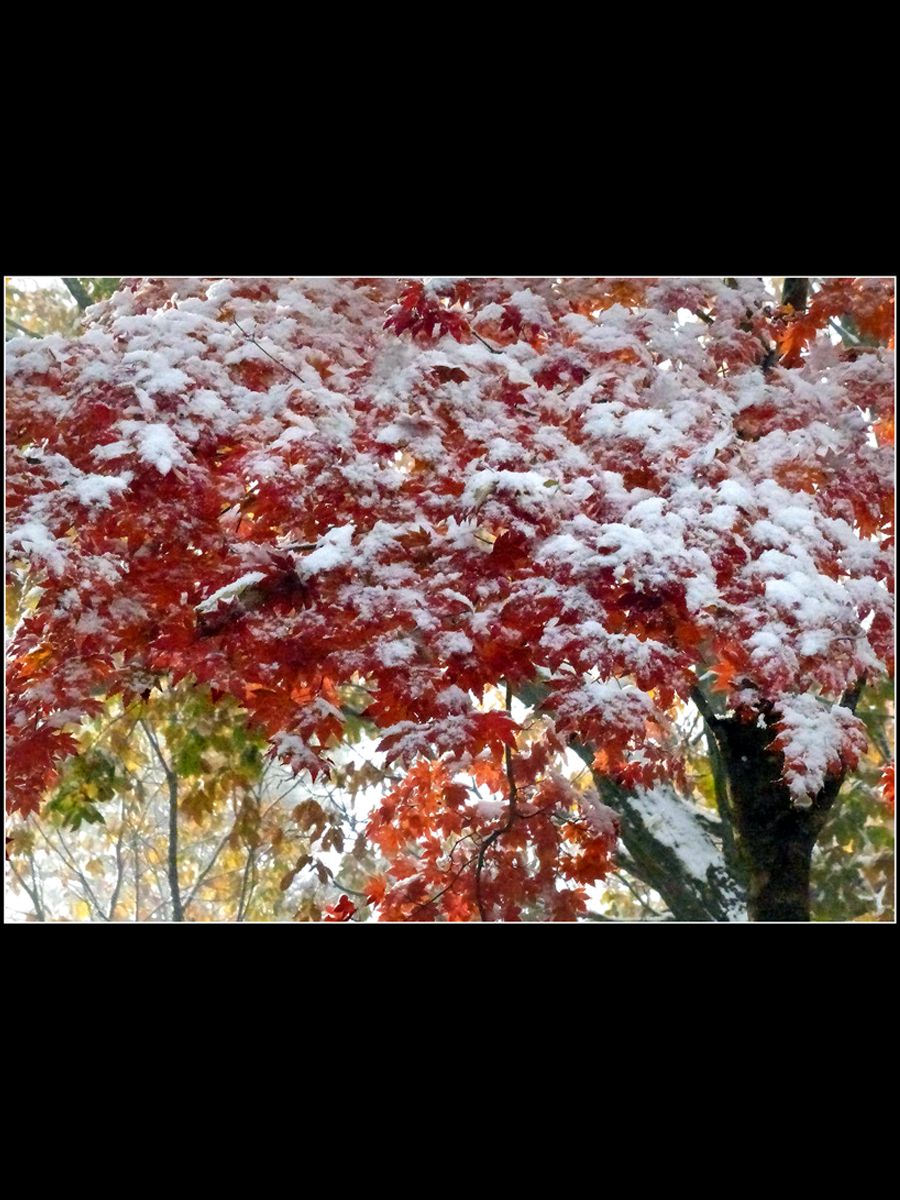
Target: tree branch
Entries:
(32, 892)
(657, 864)
(82, 299)
(206, 870)
(705, 707)
(252, 339)
(795, 292)
(16, 325)
(172, 781)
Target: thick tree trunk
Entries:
(775, 836)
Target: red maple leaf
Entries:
(343, 910)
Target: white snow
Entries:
(229, 590)
(334, 550)
(673, 821)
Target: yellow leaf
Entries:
(82, 911)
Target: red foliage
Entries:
(343, 910)
(887, 786)
(445, 489)
(421, 313)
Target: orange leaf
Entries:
(724, 672)
(884, 431)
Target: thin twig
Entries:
(32, 893)
(266, 352)
(493, 349)
(641, 901)
(432, 899)
(206, 870)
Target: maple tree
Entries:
(506, 524)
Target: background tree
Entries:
(537, 528)
(169, 812)
(42, 306)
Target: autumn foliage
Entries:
(516, 516)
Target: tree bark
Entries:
(78, 291)
(796, 293)
(775, 835)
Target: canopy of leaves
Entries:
(443, 494)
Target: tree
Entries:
(55, 307)
(168, 812)
(524, 530)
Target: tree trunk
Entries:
(775, 836)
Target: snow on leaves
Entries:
(421, 314)
(439, 487)
(463, 736)
(817, 741)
